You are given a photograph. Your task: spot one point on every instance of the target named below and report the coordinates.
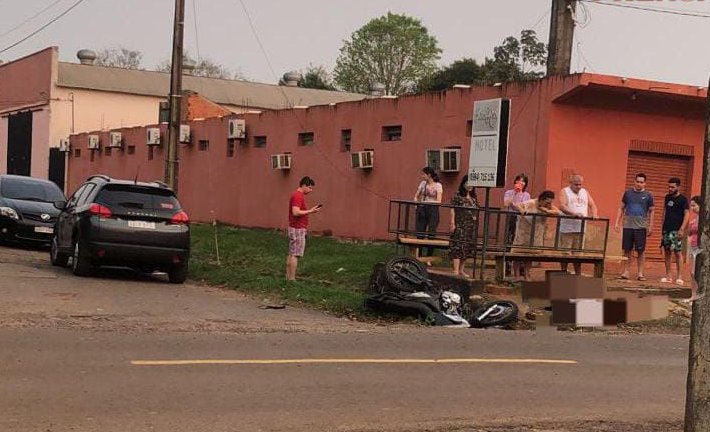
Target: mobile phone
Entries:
(319, 206)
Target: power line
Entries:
(197, 39)
(30, 18)
(290, 105)
(656, 10)
(43, 27)
(539, 20)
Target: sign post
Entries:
(489, 154)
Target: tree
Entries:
(513, 60)
(316, 77)
(464, 71)
(119, 57)
(394, 50)
(204, 67)
(517, 59)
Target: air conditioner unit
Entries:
(450, 160)
(93, 142)
(153, 136)
(64, 145)
(115, 139)
(185, 134)
(237, 129)
(281, 161)
(362, 159)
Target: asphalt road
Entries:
(73, 353)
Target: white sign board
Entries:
(489, 143)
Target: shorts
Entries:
(573, 241)
(296, 241)
(694, 251)
(634, 238)
(670, 241)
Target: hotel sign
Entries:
(489, 143)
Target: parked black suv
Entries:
(27, 211)
(123, 223)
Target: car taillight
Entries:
(180, 218)
(98, 209)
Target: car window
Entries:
(75, 197)
(30, 190)
(138, 198)
(81, 200)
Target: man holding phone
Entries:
(298, 224)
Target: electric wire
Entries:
(647, 9)
(197, 38)
(290, 105)
(30, 18)
(52, 21)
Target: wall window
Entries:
(306, 139)
(345, 139)
(131, 149)
(260, 141)
(230, 148)
(77, 153)
(469, 128)
(392, 133)
(204, 145)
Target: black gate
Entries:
(19, 143)
(57, 166)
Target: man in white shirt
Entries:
(574, 201)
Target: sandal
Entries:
(679, 282)
(666, 280)
(623, 277)
(641, 278)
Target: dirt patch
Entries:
(570, 426)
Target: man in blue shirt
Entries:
(637, 211)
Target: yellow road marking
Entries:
(326, 361)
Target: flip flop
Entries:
(641, 278)
(679, 282)
(622, 277)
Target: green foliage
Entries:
(255, 261)
(513, 60)
(394, 50)
(316, 77)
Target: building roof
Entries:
(222, 91)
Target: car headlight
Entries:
(9, 212)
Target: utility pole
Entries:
(697, 398)
(171, 154)
(559, 50)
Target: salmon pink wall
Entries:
(244, 190)
(595, 143)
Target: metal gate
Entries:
(19, 143)
(658, 169)
(57, 167)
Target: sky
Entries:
(294, 34)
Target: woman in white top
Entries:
(427, 216)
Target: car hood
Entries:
(32, 207)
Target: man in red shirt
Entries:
(298, 224)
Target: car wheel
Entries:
(81, 266)
(57, 258)
(178, 274)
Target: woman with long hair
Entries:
(429, 191)
(463, 220)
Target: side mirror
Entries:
(60, 205)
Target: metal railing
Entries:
(508, 232)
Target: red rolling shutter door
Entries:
(658, 169)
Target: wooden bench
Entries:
(415, 243)
(554, 256)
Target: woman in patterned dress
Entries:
(461, 227)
